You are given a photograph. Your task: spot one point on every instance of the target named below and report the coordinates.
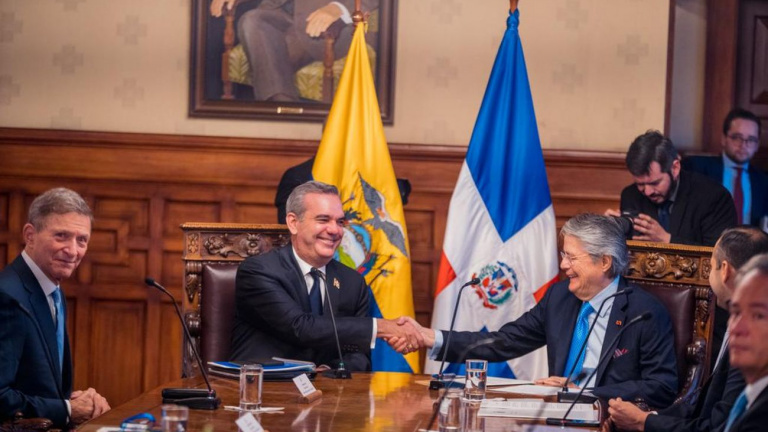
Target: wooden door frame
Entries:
(720, 68)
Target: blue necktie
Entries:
(315, 299)
(739, 407)
(59, 306)
(579, 336)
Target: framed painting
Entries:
(268, 59)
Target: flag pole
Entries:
(513, 5)
(357, 16)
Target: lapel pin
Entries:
(336, 283)
(618, 322)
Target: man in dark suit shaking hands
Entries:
(35, 359)
(594, 255)
(283, 304)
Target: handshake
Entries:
(404, 334)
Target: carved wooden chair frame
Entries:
(219, 243)
(681, 266)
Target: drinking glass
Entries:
(474, 388)
(174, 418)
(251, 379)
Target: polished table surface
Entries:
(380, 401)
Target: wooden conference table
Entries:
(380, 401)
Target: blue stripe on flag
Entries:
(504, 155)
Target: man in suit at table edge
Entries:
(747, 183)
(671, 205)
(717, 395)
(35, 357)
(280, 296)
(594, 256)
(748, 326)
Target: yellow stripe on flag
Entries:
(353, 156)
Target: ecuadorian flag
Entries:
(353, 156)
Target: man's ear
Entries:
(292, 221)
(727, 274)
(28, 233)
(607, 262)
(675, 168)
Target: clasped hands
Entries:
(405, 335)
(86, 404)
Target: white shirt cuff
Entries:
(373, 336)
(345, 15)
(436, 347)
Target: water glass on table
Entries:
(449, 414)
(174, 418)
(474, 387)
(251, 379)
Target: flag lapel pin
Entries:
(618, 323)
(336, 283)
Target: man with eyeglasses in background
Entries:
(748, 184)
(668, 204)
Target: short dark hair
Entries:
(57, 201)
(740, 113)
(757, 263)
(738, 244)
(650, 147)
(295, 203)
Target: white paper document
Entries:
(531, 389)
(535, 409)
(496, 381)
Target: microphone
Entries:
(341, 372)
(190, 397)
(438, 383)
(564, 395)
(563, 422)
(481, 342)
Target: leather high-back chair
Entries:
(212, 252)
(679, 276)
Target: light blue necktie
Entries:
(579, 336)
(739, 407)
(59, 305)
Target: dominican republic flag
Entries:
(501, 226)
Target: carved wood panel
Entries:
(142, 187)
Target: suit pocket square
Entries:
(619, 352)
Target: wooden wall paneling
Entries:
(143, 186)
(752, 57)
(117, 338)
(720, 69)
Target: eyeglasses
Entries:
(750, 141)
(570, 258)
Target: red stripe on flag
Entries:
(445, 274)
(543, 290)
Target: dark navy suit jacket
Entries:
(273, 316)
(710, 413)
(31, 381)
(703, 209)
(756, 417)
(643, 364)
(712, 167)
